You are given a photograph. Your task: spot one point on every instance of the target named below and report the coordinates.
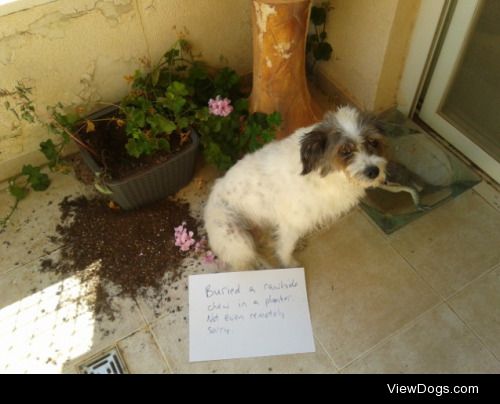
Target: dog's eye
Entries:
(346, 152)
(373, 143)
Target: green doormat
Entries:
(422, 176)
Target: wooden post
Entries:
(279, 29)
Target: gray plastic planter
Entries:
(156, 183)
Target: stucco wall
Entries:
(77, 52)
(370, 39)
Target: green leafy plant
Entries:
(18, 102)
(226, 139)
(178, 91)
(160, 103)
(317, 46)
(178, 94)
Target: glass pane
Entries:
(429, 175)
(473, 100)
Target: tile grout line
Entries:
(414, 270)
(474, 333)
(384, 340)
(335, 367)
(45, 254)
(164, 356)
(92, 352)
(449, 304)
(477, 278)
(140, 310)
(39, 258)
(153, 335)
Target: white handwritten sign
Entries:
(248, 314)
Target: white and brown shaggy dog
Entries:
(293, 186)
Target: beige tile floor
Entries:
(424, 299)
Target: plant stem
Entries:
(76, 140)
(5, 220)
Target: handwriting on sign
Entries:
(245, 305)
(234, 310)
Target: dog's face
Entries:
(346, 140)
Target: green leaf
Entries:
(225, 81)
(164, 144)
(184, 44)
(135, 133)
(103, 189)
(183, 122)
(241, 105)
(140, 146)
(202, 114)
(178, 88)
(258, 118)
(48, 148)
(198, 71)
(100, 184)
(28, 117)
(66, 120)
(267, 135)
(171, 55)
(136, 117)
(37, 180)
(160, 124)
(323, 51)
(217, 124)
(18, 192)
(313, 38)
(318, 15)
(214, 155)
(274, 119)
(133, 148)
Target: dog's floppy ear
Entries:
(375, 121)
(313, 146)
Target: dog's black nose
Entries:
(372, 172)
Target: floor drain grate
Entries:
(106, 364)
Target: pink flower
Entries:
(220, 107)
(209, 257)
(201, 245)
(183, 238)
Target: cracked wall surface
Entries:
(78, 51)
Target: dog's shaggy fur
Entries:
(293, 186)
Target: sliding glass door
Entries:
(462, 102)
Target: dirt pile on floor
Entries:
(131, 249)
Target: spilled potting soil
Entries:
(130, 250)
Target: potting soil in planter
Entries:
(108, 140)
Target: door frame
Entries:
(423, 44)
(418, 78)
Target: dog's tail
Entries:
(228, 236)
